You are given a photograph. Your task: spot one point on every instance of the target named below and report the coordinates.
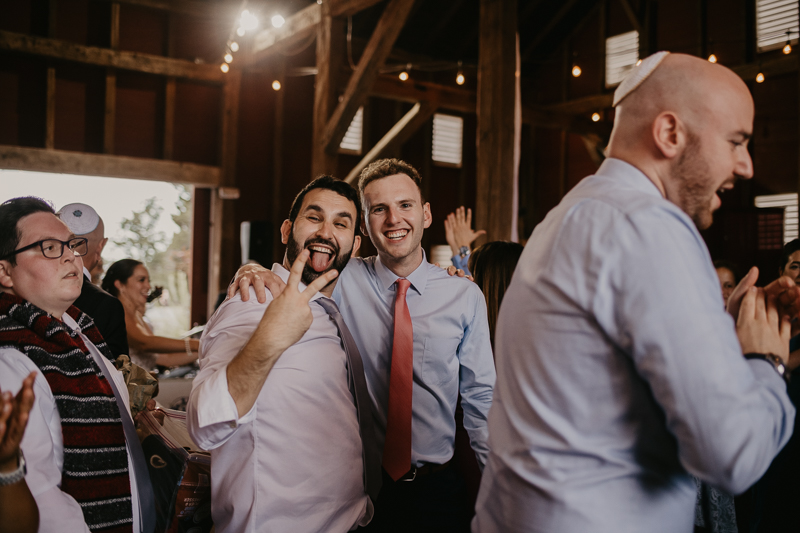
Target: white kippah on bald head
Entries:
(79, 218)
(637, 75)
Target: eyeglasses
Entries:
(54, 249)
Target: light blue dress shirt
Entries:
(619, 373)
(452, 352)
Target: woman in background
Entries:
(128, 280)
(492, 265)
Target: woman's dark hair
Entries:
(492, 265)
(11, 212)
(730, 265)
(119, 271)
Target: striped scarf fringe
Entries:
(95, 470)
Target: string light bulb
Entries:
(595, 117)
(240, 31)
(234, 46)
(277, 21)
(460, 76)
(228, 58)
(224, 67)
(638, 62)
(712, 58)
(576, 71)
(248, 21)
(403, 76)
(787, 49)
(760, 78)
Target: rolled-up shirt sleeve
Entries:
(212, 414)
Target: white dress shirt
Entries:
(293, 463)
(619, 373)
(43, 444)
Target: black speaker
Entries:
(256, 240)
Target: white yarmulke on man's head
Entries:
(637, 75)
(80, 218)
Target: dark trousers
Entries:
(435, 503)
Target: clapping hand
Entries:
(14, 413)
(783, 289)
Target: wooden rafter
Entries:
(105, 57)
(298, 27)
(113, 166)
(632, 17)
(565, 7)
(345, 8)
(587, 104)
(380, 45)
(330, 56)
(416, 117)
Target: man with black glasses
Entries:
(85, 465)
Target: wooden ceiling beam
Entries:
(416, 117)
(578, 106)
(105, 57)
(112, 166)
(208, 10)
(345, 8)
(378, 48)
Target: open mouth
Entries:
(321, 257)
(396, 235)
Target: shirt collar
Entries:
(282, 273)
(70, 322)
(87, 273)
(631, 176)
(418, 278)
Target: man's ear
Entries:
(100, 246)
(427, 218)
(669, 134)
(356, 245)
(5, 274)
(286, 230)
(364, 225)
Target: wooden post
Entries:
(111, 86)
(495, 207)
(330, 57)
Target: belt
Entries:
(424, 470)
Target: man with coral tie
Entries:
(424, 337)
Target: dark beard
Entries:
(692, 172)
(293, 249)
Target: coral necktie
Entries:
(397, 448)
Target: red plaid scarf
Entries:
(95, 470)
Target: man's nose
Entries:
(744, 167)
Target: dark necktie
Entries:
(358, 387)
(397, 447)
(144, 487)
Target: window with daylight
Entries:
(622, 53)
(448, 136)
(776, 23)
(351, 143)
(789, 204)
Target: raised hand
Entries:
(260, 278)
(458, 229)
(14, 413)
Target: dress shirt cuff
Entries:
(217, 406)
(764, 371)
